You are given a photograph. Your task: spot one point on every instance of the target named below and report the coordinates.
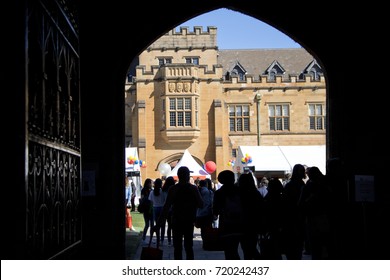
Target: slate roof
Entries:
(256, 61)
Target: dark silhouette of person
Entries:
(184, 198)
(230, 231)
(238, 205)
(316, 201)
(270, 241)
(148, 214)
(133, 195)
(252, 202)
(169, 182)
(293, 222)
(204, 215)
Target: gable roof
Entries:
(312, 64)
(193, 166)
(278, 68)
(256, 61)
(239, 66)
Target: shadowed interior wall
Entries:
(110, 38)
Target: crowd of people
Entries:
(268, 218)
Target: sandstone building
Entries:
(183, 93)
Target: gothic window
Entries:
(239, 118)
(316, 117)
(279, 117)
(180, 112)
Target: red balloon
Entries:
(210, 166)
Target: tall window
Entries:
(234, 153)
(180, 112)
(163, 124)
(239, 118)
(196, 112)
(316, 117)
(279, 117)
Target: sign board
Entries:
(364, 188)
(249, 168)
(133, 174)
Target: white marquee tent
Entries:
(280, 159)
(193, 166)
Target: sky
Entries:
(248, 32)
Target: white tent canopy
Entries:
(280, 158)
(193, 166)
(306, 155)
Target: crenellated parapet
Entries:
(179, 71)
(263, 82)
(188, 72)
(186, 39)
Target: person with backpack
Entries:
(204, 215)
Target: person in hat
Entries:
(185, 199)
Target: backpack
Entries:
(233, 213)
(144, 204)
(184, 207)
